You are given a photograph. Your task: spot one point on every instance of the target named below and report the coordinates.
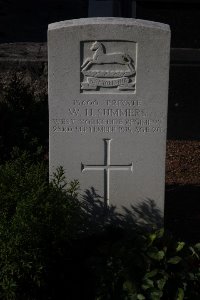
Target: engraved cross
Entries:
(107, 167)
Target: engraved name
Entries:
(109, 112)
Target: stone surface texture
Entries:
(108, 91)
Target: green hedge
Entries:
(23, 116)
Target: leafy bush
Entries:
(54, 246)
(38, 220)
(23, 116)
(152, 266)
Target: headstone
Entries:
(108, 90)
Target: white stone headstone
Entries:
(108, 92)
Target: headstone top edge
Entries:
(109, 21)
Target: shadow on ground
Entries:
(142, 216)
(182, 213)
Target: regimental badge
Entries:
(107, 69)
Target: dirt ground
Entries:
(183, 163)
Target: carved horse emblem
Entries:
(122, 61)
(100, 57)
